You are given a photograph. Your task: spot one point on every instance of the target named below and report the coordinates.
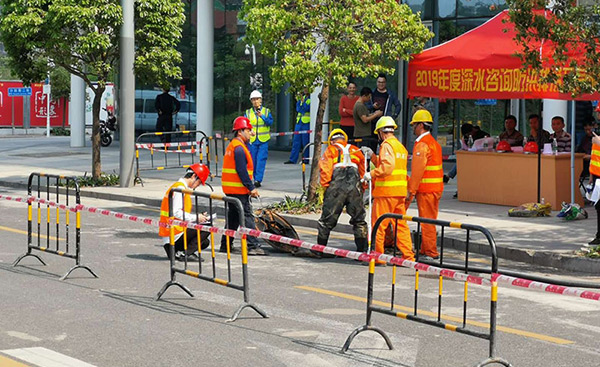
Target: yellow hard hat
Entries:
(385, 121)
(422, 116)
(335, 132)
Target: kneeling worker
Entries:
(195, 175)
(426, 180)
(342, 167)
(390, 183)
(237, 182)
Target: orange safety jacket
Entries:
(334, 157)
(595, 160)
(394, 184)
(427, 172)
(164, 211)
(230, 181)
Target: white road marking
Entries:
(43, 357)
(23, 336)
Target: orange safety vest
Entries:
(164, 211)
(336, 153)
(395, 184)
(230, 181)
(595, 160)
(433, 177)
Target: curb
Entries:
(568, 262)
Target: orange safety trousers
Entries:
(384, 205)
(428, 204)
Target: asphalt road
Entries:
(313, 306)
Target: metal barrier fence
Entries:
(490, 336)
(244, 287)
(193, 148)
(57, 249)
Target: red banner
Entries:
(38, 106)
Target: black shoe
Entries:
(289, 162)
(595, 241)
(257, 251)
(232, 250)
(446, 178)
(257, 184)
(180, 256)
(306, 161)
(455, 196)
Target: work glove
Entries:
(368, 152)
(366, 177)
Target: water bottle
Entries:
(524, 141)
(554, 146)
(485, 145)
(470, 142)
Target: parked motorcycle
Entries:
(107, 127)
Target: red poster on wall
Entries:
(7, 103)
(38, 106)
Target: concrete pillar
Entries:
(283, 116)
(77, 112)
(127, 94)
(204, 66)
(551, 108)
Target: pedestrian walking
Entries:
(236, 180)
(261, 118)
(426, 180)
(342, 168)
(166, 106)
(302, 124)
(390, 186)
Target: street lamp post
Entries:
(255, 78)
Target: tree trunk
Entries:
(314, 169)
(96, 163)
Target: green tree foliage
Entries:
(61, 87)
(323, 42)
(82, 36)
(572, 29)
(5, 70)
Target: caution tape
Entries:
(156, 146)
(446, 273)
(283, 133)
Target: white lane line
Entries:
(43, 357)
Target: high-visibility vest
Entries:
(304, 117)
(261, 130)
(396, 183)
(433, 177)
(230, 180)
(164, 210)
(595, 160)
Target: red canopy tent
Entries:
(480, 64)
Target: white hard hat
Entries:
(255, 94)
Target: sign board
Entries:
(46, 89)
(486, 102)
(19, 92)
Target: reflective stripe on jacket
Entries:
(595, 160)
(427, 169)
(304, 117)
(263, 131)
(164, 211)
(395, 183)
(230, 180)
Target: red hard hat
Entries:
(503, 146)
(241, 123)
(201, 171)
(531, 147)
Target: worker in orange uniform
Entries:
(237, 181)
(195, 176)
(342, 167)
(426, 180)
(390, 184)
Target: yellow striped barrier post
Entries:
(200, 274)
(53, 186)
(414, 316)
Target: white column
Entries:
(553, 107)
(77, 112)
(204, 66)
(127, 95)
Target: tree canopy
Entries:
(573, 30)
(82, 36)
(326, 42)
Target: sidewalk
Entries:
(545, 241)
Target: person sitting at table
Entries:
(534, 125)
(510, 134)
(563, 138)
(585, 147)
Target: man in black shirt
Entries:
(166, 105)
(385, 100)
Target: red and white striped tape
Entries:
(156, 146)
(446, 273)
(291, 133)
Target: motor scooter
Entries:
(107, 127)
